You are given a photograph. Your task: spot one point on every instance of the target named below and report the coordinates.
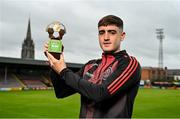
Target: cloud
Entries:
(141, 18)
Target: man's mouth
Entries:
(106, 44)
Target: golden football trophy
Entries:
(55, 46)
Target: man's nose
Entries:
(106, 37)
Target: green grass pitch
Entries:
(150, 103)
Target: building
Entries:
(174, 74)
(23, 74)
(169, 78)
(28, 45)
(153, 73)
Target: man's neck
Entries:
(112, 52)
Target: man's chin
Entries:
(110, 51)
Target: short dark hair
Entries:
(111, 20)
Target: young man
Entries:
(108, 86)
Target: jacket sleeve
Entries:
(61, 89)
(127, 75)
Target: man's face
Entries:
(110, 37)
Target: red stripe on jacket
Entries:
(125, 76)
(125, 79)
(121, 74)
(119, 79)
(87, 68)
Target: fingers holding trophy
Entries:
(55, 46)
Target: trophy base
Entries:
(55, 46)
(56, 55)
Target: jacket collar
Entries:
(117, 54)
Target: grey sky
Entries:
(141, 18)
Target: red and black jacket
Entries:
(107, 86)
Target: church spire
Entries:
(29, 30)
(28, 46)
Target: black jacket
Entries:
(107, 86)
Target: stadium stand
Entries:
(23, 74)
(10, 82)
(32, 81)
(46, 80)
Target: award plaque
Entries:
(55, 46)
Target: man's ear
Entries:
(123, 34)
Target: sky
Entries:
(141, 19)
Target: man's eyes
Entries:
(101, 32)
(110, 32)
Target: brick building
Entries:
(153, 73)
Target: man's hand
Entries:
(55, 64)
